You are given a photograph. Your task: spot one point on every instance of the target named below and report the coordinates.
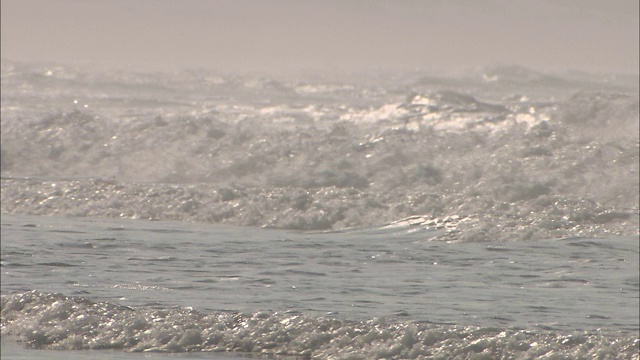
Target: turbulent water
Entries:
(488, 215)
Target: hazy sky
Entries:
(280, 35)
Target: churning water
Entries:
(487, 216)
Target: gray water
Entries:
(567, 284)
(394, 273)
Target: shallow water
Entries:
(396, 274)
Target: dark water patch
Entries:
(82, 245)
(154, 259)
(57, 264)
(13, 264)
(502, 319)
(529, 276)
(602, 317)
(205, 281)
(118, 228)
(304, 273)
(497, 248)
(167, 231)
(538, 308)
(67, 231)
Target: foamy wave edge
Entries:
(55, 321)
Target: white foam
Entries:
(53, 321)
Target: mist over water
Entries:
(285, 36)
(538, 155)
(340, 180)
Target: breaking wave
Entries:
(321, 155)
(54, 321)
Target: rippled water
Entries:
(569, 284)
(395, 273)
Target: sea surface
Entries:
(202, 215)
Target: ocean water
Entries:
(381, 292)
(204, 215)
